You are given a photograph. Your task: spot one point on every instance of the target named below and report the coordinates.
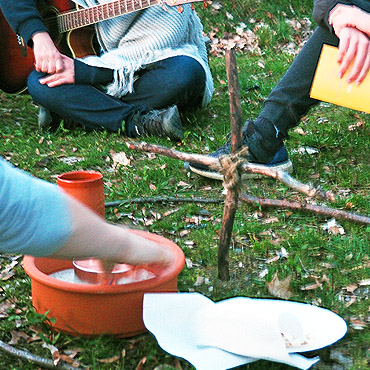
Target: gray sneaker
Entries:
(162, 123)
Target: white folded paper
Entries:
(240, 330)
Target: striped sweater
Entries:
(135, 40)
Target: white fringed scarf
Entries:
(132, 41)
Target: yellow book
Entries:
(327, 86)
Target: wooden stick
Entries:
(321, 210)
(116, 203)
(41, 361)
(249, 199)
(173, 153)
(214, 163)
(232, 195)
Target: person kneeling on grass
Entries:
(345, 24)
(39, 219)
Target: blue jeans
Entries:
(290, 99)
(177, 80)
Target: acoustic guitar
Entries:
(70, 28)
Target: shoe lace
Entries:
(151, 124)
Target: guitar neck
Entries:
(84, 17)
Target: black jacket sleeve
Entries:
(322, 8)
(85, 74)
(23, 17)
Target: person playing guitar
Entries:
(151, 62)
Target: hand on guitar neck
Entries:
(48, 59)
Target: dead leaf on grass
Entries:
(110, 360)
(280, 288)
(54, 352)
(183, 233)
(140, 365)
(152, 187)
(119, 159)
(4, 307)
(332, 227)
(189, 263)
(71, 160)
(270, 220)
(16, 336)
(8, 271)
(183, 183)
(357, 323)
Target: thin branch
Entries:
(41, 361)
(173, 153)
(232, 176)
(322, 210)
(120, 202)
(291, 182)
(214, 163)
(249, 199)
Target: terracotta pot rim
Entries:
(64, 177)
(170, 272)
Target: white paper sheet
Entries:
(223, 335)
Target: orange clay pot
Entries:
(86, 186)
(90, 310)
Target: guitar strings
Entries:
(55, 23)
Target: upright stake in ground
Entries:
(232, 196)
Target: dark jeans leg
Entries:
(178, 80)
(84, 104)
(290, 99)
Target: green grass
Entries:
(340, 165)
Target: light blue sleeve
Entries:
(35, 217)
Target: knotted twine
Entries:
(231, 168)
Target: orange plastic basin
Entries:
(90, 310)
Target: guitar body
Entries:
(15, 67)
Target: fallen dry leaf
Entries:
(189, 263)
(270, 220)
(16, 336)
(110, 359)
(54, 352)
(332, 227)
(182, 183)
(183, 233)
(357, 324)
(119, 159)
(280, 288)
(140, 365)
(170, 212)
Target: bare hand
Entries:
(65, 76)
(48, 59)
(349, 16)
(354, 47)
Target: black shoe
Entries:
(258, 156)
(162, 123)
